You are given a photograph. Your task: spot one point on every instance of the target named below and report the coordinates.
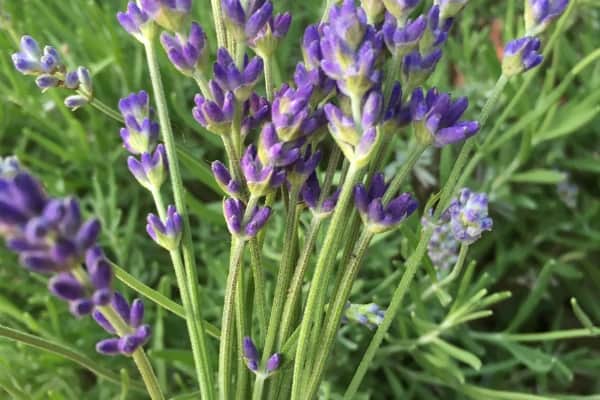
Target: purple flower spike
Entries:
(274, 152)
(234, 211)
(442, 248)
(240, 82)
(135, 21)
(246, 23)
(377, 216)
(521, 55)
(170, 14)
(186, 53)
(400, 9)
(311, 194)
(437, 30)
(166, 234)
(151, 170)
(215, 115)
(273, 364)
(401, 40)
(469, 216)
(140, 133)
(251, 355)
(289, 111)
(266, 40)
(437, 118)
(540, 13)
(224, 179)
(261, 179)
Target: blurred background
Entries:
(543, 178)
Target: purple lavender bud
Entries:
(71, 80)
(257, 221)
(273, 363)
(266, 40)
(50, 60)
(151, 171)
(136, 314)
(88, 234)
(469, 216)
(274, 152)
(245, 23)
(396, 114)
(129, 344)
(261, 179)
(540, 13)
(401, 40)
(417, 68)
(240, 82)
(46, 82)
(136, 21)
(377, 216)
(450, 8)
(233, 212)
(437, 30)
(166, 234)
(102, 297)
(442, 248)
(108, 347)
(27, 60)
(436, 118)
(121, 306)
(76, 101)
(311, 194)
(521, 55)
(224, 179)
(66, 287)
(186, 53)
(215, 115)
(304, 166)
(85, 80)
(289, 111)
(103, 322)
(169, 14)
(81, 307)
(256, 111)
(100, 273)
(249, 349)
(258, 20)
(400, 9)
(371, 111)
(140, 133)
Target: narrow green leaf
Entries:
(458, 353)
(540, 176)
(582, 316)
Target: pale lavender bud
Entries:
(166, 234)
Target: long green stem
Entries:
(139, 356)
(105, 109)
(258, 276)
(269, 77)
(219, 22)
(323, 267)
(187, 248)
(536, 337)
(64, 352)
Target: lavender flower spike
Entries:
(167, 233)
(540, 13)
(235, 210)
(246, 22)
(170, 14)
(469, 216)
(186, 53)
(136, 22)
(261, 179)
(377, 216)
(311, 194)
(521, 55)
(141, 132)
(442, 247)
(266, 40)
(224, 179)
(436, 118)
(151, 170)
(290, 109)
(240, 82)
(401, 40)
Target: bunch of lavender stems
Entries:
(361, 81)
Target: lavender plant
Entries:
(306, 155)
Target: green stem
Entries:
(259, 287)
(105, 109)
(187, 248)
(269, 77)
(259, 385)
(322, 269)
(284, 274)
(202, 83)
(139, 356)
(241, 314)
(219, 22)
(64, 352)
(462, 255)
(536, 337)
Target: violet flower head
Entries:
(215, 115)
(469, 216)
(167, 233)
(310, 72)
(136, 21)
(369, 315)
(311, 195)
(170, 14)
(350, 48)
(224, 179)
(437, 30)
(521, 55)
(416, 68)
(401, 40)
(396, 114)
(261, 179)
(273, 364)
(256, 110)
(377, 216)
(141, 132)
(151, 170)
(540, 13)
(400, 9)
(442, 247)
(231, 79)
(304, 166)
(137, 333)
(275, 152)
(357, 143)
(251, 355)
(437, 118)
(186, 53)
(234, 211)
(290, 109)
(266, 40)
(30, 60)
(246, 22)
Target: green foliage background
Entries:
(542, 251)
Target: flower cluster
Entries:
(369, 315)
(139, 17)
(50, 72)
(377, 216)
(443, 246)
(540, 13)
(252, 359)
(51, 238)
